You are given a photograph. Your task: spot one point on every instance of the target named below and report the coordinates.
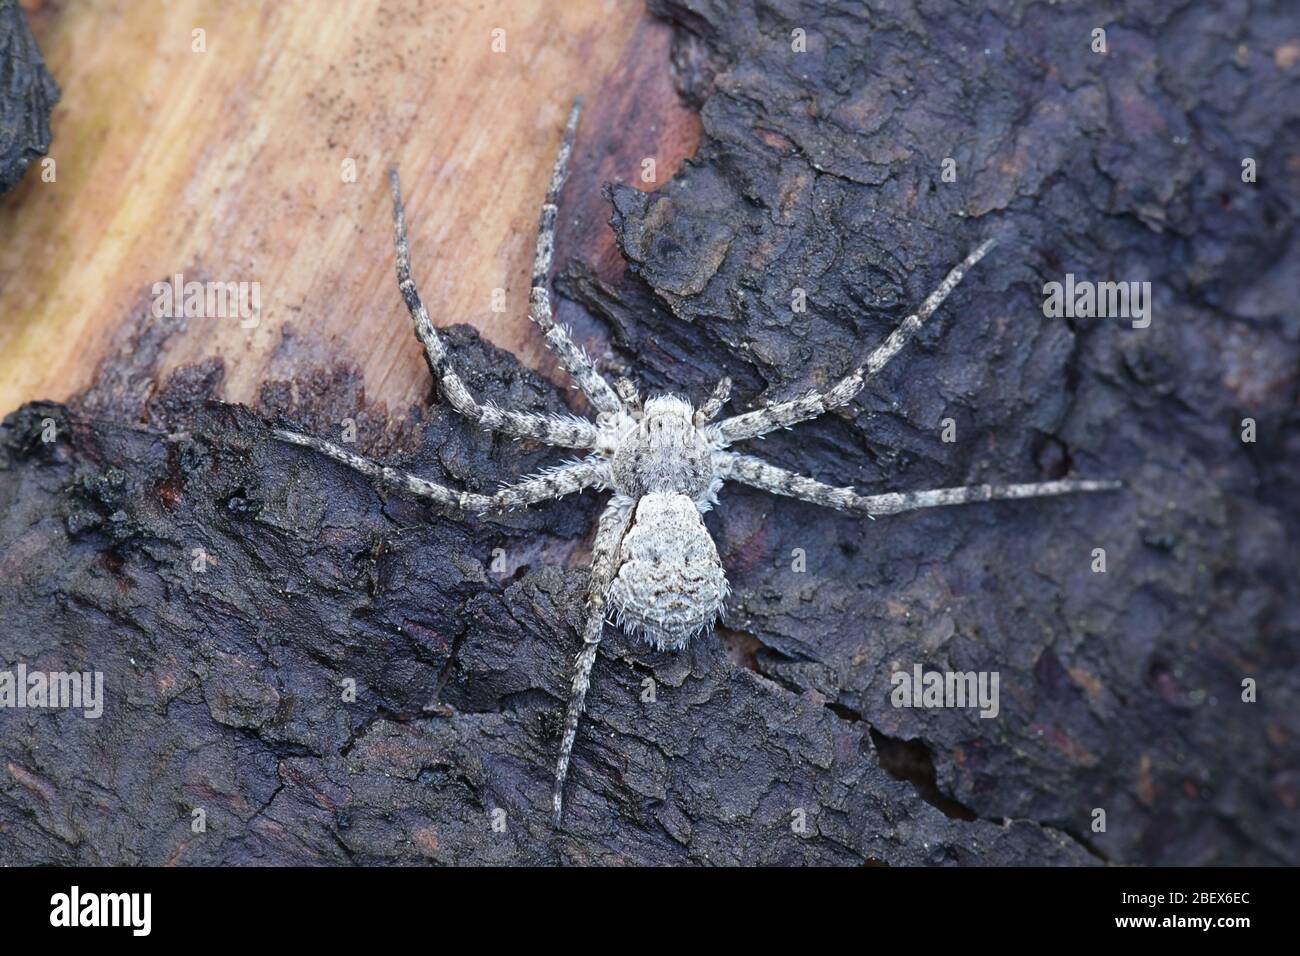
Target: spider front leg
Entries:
(713, 404)
(591, 472)
(565, 431)
(784, 414)
(748, 470)
(614, 522)
(571, 356)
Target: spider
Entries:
(653, 562)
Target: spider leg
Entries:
(784, 414)
(614, 522)
(566, 431)
(570, 355)
(757, 473)
(556, 482)
(628, 394)
(709, 410)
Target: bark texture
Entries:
(775, 741)
(27, 95)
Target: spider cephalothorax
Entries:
(653, 562)
(662, 449)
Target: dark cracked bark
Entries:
(1120, 691)
(27, 95)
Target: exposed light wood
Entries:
(227, 165)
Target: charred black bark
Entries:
(824, 172)
(777, 740)
(27, 95)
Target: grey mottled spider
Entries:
(653, 562)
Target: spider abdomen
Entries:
(670, 584)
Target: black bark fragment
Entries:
(27, 95)
(227, 685)
(822, 171)
(774, 741)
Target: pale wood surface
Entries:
(227, 165)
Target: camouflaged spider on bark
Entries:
(653, 562)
